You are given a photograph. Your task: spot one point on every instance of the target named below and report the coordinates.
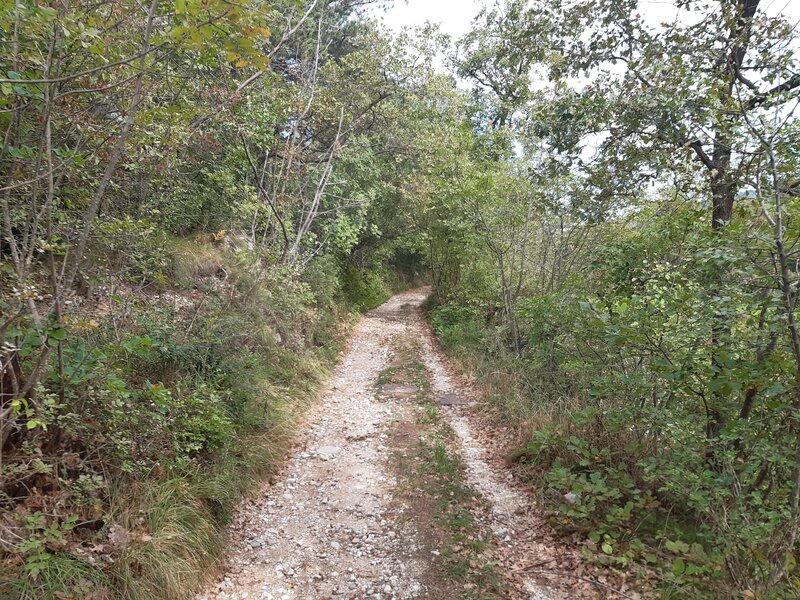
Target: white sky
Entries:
(455, 16)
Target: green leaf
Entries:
(678, 566)
(48, 13)
(58, 334)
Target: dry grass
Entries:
(195, 259)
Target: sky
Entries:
(455, 16)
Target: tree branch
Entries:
(786, 86)
(701, 153)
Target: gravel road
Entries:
(327, 527)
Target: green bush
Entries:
(633, 395)
(131, 250)
(364, 289)
(200, 422)
(459, 327)
(553, 328)
(619, 490)
(205, 201)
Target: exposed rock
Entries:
(328, 452)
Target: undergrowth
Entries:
(183, 395)
(612, 440)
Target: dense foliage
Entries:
(195, 197)
(620, 268)
(197, 194)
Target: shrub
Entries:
(164, 417)
(459, 327)
(131, 250)
(364, 289)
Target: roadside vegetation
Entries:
(198, 197)
(623, 280)
(197, 200)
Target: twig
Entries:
(148, 49)
(194, 318)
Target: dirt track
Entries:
(332, 526)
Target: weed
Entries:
(434, 470)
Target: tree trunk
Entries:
(508, 303)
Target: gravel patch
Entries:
(323, 530)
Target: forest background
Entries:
(198, 196)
